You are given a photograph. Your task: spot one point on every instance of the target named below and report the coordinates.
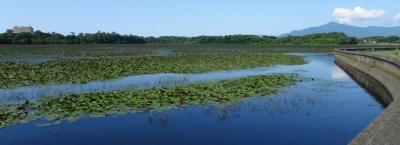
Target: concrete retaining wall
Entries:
(384, 130)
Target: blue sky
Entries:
(192, 17)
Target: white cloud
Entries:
(397, 17)
(338, 74)
(358, 14)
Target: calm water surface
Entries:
(330, 109)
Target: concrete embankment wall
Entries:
(385, 129)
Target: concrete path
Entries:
(384, 130)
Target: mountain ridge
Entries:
(349, 30)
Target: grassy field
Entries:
(395, 54)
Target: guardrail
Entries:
(385, 129)
(372, 49)
(363, 52)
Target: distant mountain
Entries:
(348, 30)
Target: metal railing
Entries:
(372, 49)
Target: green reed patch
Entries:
(74, 106)
(82, 71)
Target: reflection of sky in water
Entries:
(338, 74)
(323, 111)
(164, 52)
(319, 66)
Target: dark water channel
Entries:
(330, 108)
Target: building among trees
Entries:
(22, 29)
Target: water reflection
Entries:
(371, 85)
(136, 82)
(164, 52)
(338, 74)
(318, 110)
(166, 80)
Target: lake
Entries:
(326, 107)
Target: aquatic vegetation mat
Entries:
(71, 107)
(134, 50)
(83, 71)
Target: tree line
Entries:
(323, 38)
(39, 37)
(380, 40)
